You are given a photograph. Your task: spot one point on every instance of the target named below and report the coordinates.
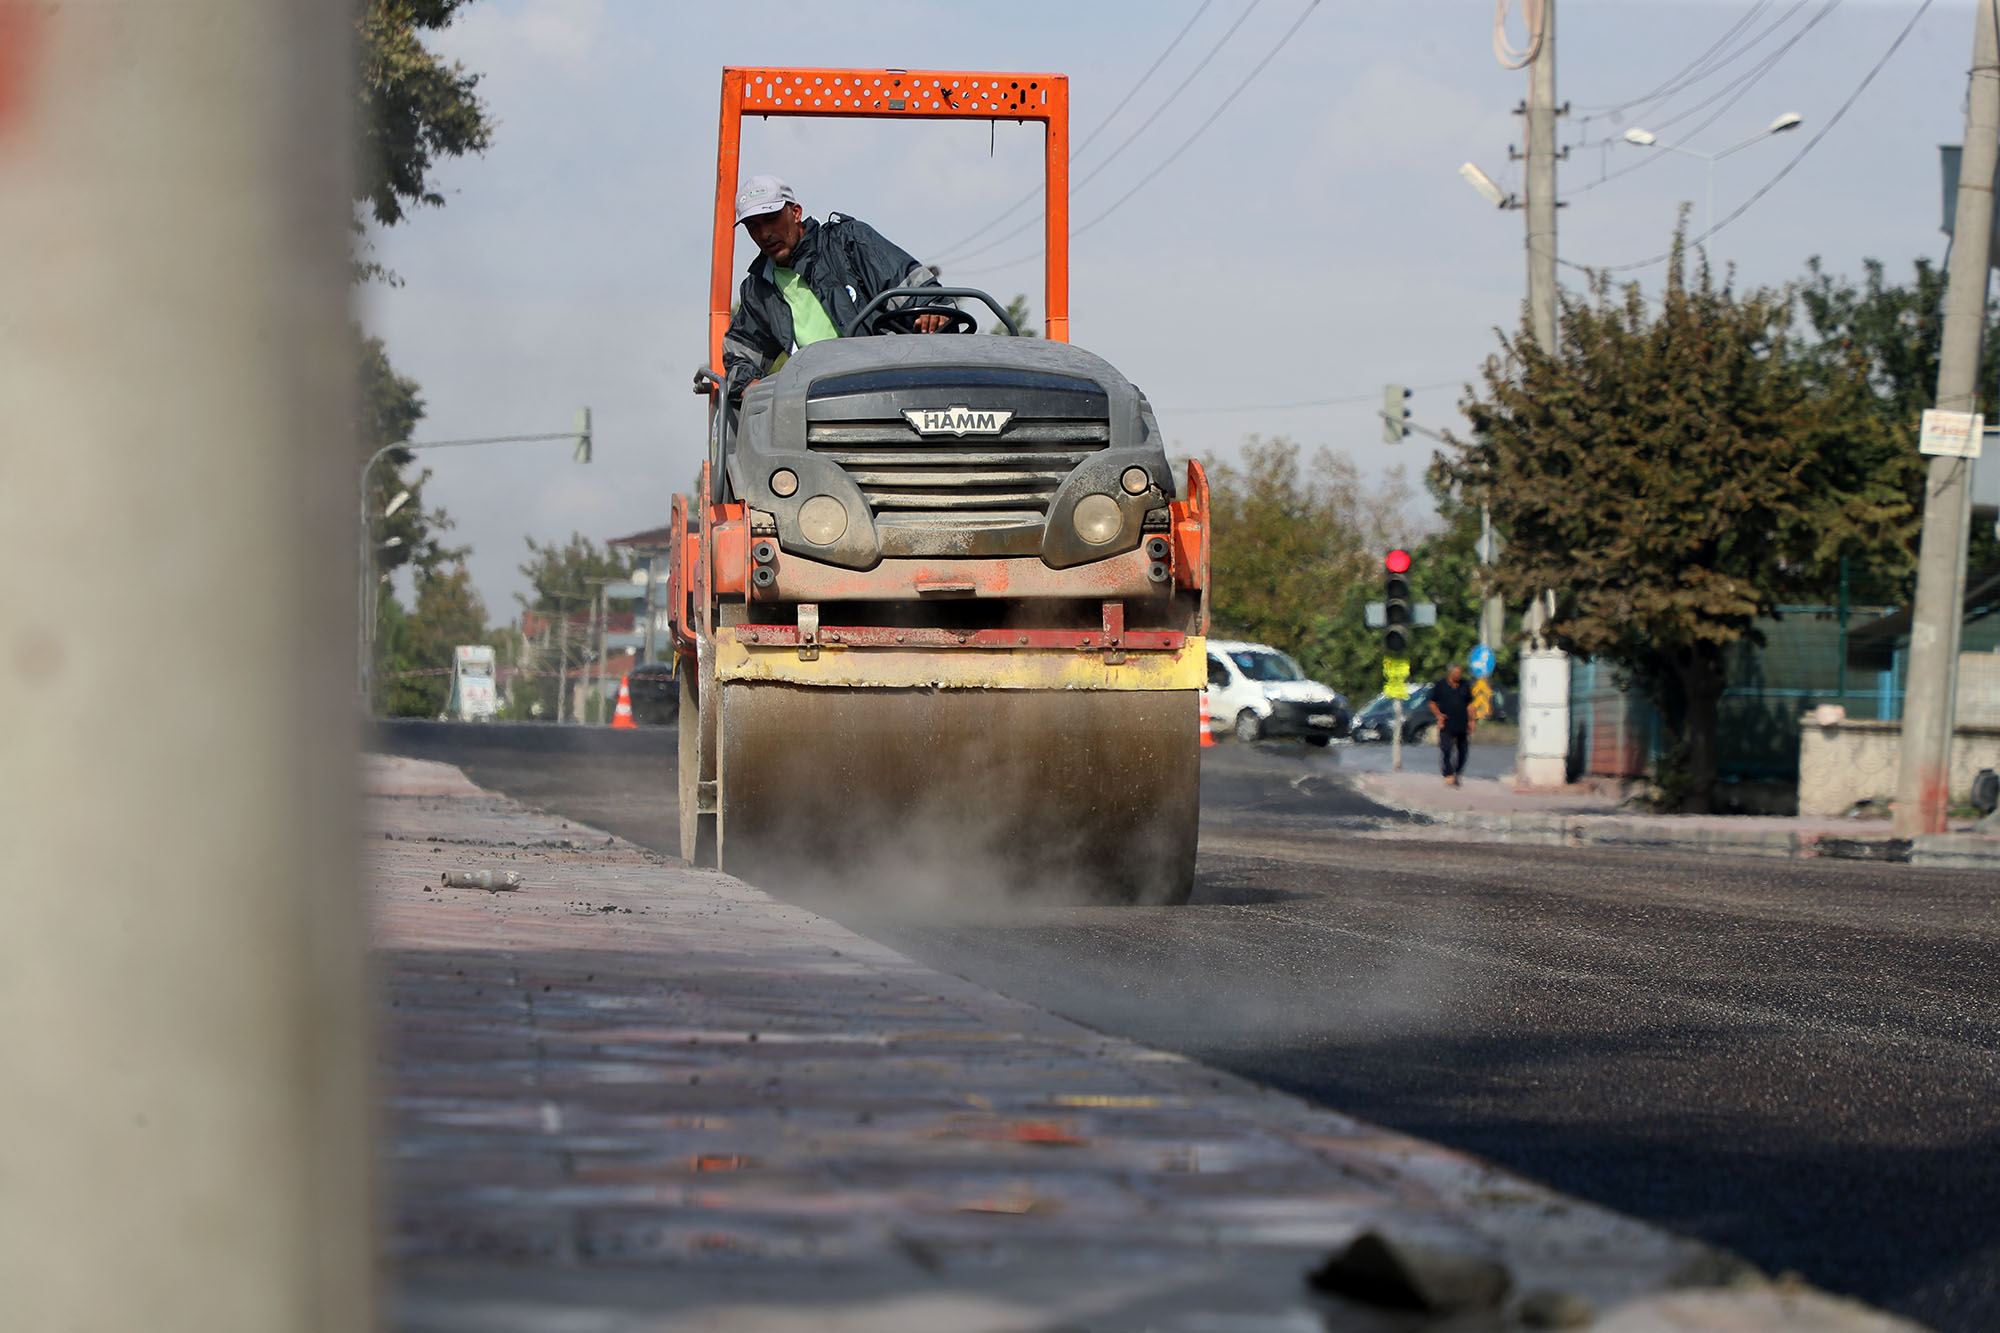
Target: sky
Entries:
(1304, 237)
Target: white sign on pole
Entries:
(1953, 434)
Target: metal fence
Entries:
(1801, 665)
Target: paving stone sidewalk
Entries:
(1491, 810)
(633, 1096)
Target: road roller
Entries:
(938, 604)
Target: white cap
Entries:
(762, 194)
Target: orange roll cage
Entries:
(892, 94)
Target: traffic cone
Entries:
(1207, 736)
(622, 715)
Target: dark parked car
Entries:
(656, 694)
(1377, 720)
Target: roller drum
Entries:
(1090, 793)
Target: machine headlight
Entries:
(1097, 519)
(784, 481)
(1135, 481)
(822, 520)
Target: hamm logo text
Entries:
(957, 421)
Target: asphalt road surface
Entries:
(1794, 1060)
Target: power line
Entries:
(1185, 144)
(1144, 125)
(1701, 66)
(1151, 69)
(1300, 22)
(1754, 76)
(1742, 86)
(1785, 170)
(1102, 126)
(1677, 84)
(1213, 51)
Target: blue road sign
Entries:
(1482, 661)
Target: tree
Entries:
(1888, 337)
(387, 409)
(1673, 477)
(418, 646)
(415, 108)
(1295, 553)
(563, 583)
(1018, 311)
(559, 576)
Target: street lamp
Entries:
(1488, 189)
(1791, 120)
(582, 437)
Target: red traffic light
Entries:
(1397, 561)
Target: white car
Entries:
(1256, 691)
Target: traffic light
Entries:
(1396, 604)
(1395, 411)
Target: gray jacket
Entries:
(845, 262)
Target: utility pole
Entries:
(542, 666)
(1929, 700)
(597, 689)
(648, 607)
(562, 660)
(1492, 610)
(590, 665)
(1541, 182)
(1542, 754)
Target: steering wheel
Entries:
(877, 317)
(903, 319)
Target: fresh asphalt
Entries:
(1792, 1059)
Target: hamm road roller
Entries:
(938, 608)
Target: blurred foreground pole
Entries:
(1929, 701)
(183, 1140)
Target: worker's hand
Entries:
(929, 323)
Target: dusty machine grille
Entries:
(910, 480)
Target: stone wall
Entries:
(1849, 762)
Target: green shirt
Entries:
(810, 323)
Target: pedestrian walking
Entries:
(1451, 704)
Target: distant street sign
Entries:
(1953, 434)
(1482, 661)
(1396, 677)
(1375, 614)
(1482, 699)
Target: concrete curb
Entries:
(1955, 849)
(1614, 831)
(1749, 836)
(641, 1097)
